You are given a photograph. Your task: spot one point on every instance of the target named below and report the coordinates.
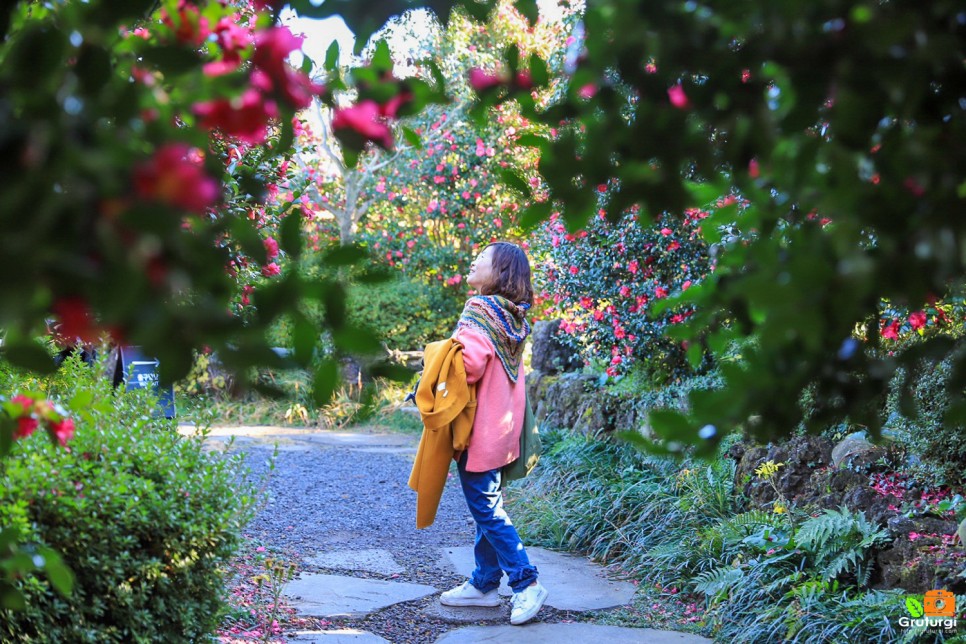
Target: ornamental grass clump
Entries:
(143, 517)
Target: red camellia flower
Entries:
(62, 430)
(26, 423)
(188, 25)
(678, 98)
(917, 320)
(270, 270)
(890, 331)
(245, 117)
(75, 320)
(175, 176)
(25, 427)
(363, 120)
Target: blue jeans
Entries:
(498, 547)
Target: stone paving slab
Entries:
(538, 633)
(374, 560)
(468, 614)
(334, 595)
(344, 636)
(574, 582)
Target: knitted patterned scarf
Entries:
(504, 323)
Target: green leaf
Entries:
(347, 255)
(357, 341)
(512, 180)
(382, 56)
(535, 214)
(532, 140)
(290, 234)
(412, 138)
(671, 425)
(324, 381)
(81, 400)
(29, 355)
(59, 575)
(11, 598)
(538, 71)
(305, 335)
(172, 60)
(529, 9)
(244, 232)
(332, 57)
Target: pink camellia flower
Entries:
(62, 430)
(175, 176)
(272, 47)
(678, 98)
(482, 81)
(245, 117)
(271, 247)
(233, 39)
(523, 81)
(363, 121)
(270, 270)
(753, 170)
(660, 292)
(588, 91)
(917, 320)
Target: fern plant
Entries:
(839, 542)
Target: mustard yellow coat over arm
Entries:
(447, 405)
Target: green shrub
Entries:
(940, 447)
(406, 313)
(144, 518)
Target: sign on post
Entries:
(138, 371)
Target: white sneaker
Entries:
(467, 594)
(527, 604)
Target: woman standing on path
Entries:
(493, 330)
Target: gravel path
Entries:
(344, 498)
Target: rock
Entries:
(857, 451)
(802, 457)
(333, 595)
(370, 560)
(551, 356)
(468, 614)
(566, 401)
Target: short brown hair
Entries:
(511, 270)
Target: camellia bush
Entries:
(606, 278)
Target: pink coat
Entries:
(501, 405)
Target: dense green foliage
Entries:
(409, 314)
(939, 447)
(764, 576)
(143, 517)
